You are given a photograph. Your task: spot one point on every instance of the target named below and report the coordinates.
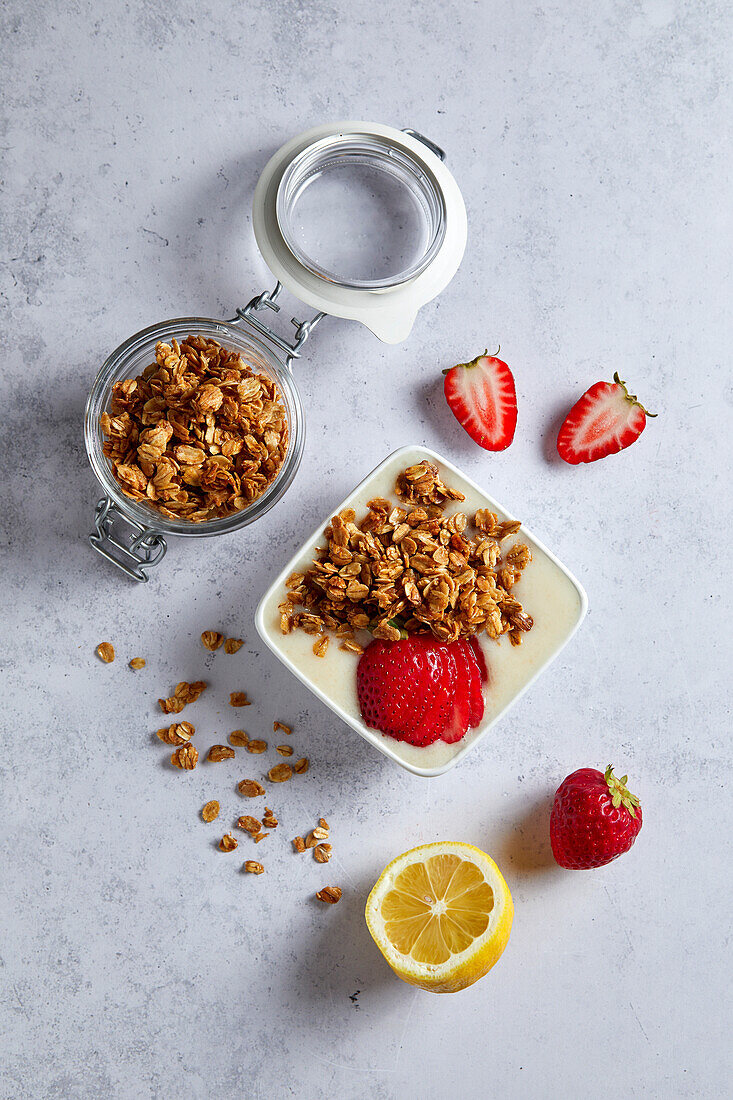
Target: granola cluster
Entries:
(198, 435)
(411, 569)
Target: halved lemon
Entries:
(441, 915)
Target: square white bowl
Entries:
(548, 591)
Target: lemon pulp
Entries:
(437, 908)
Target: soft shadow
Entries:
(527, 847)
(436, 411)
(214, 221)
(320, 973)
(549, 443)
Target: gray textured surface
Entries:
(590, 142)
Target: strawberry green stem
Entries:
(473, 361)
(631, 396)
(620, 795)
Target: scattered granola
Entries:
(186, 758)
(212, 639)
(250, 788)
(330, 895)
(233, 645)
(239, 699)
(106, 652)
(198, 435)
(184, 693)
(137, 663)
(405, 570)
(280, 773)
(180, 733)
(220, 752)
(320, 647)
(257, 746)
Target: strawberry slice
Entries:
(475, 694)
(479, 655)
(439, 706)
(460, 716)
(605, 420)
(482, 397)
(405, 688)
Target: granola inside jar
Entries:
(194, 427)
(198, 434)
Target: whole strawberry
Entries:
(594, 819)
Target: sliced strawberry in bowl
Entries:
(439, 701)
(483, 398)
(405, 687)
(605, 420)
(459, 721)
(475, 692)
(479, 655)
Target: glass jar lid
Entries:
(360, 213)
(361, 221)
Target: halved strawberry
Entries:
(482, 397)
(475, 693)
(604, 421)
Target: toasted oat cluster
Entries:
(198, 435)
(422, 484)
(185, 693)
(411, 570)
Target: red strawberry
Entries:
(605, 420)
(479, 655)
(475, 693)
(594, 819)
(483, 399)
(459, 719)
(405, 687)
(439, 703)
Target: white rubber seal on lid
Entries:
(361, 221)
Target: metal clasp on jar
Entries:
(111, 538)
(268, 300)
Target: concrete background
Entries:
(591, 142)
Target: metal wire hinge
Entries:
(135, 555)
(268, 300)
(440, 153)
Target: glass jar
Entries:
(138, 530)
